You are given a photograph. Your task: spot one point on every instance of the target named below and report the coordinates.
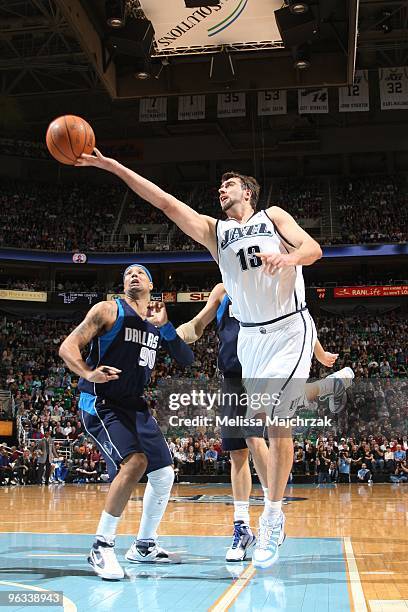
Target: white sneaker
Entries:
(270, 537)
(242, 540)
(148, 551)
(342, 380)
(103, 560)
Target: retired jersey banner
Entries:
(153, 109)
(178, 28)
(198, 296)
(272, 102)
(191, 107)
(231, 105)
(355, 98)
(23, 296)
(371, 291)
(313, 101)
(393, 88)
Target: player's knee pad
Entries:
(162, 480)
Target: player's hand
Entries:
(328, 359)
(103, 374)
(97, 161)
(273, 262)
(157, 314)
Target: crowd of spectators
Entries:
(333, 459)
(82, 217)
(57, 217)
(358, 281)
(45, 400)
(45, 397)
(373, 209)
(178, 282)
(24, 467)
(16, 284)
(38, 150)
(23, 148)
(198, 454)
(374, 346)
(302, 198)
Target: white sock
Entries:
(108, 525)
(241, 511)
(155, 500)
(271, 511)
(265, 492)
(325, 386)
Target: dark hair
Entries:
(247, 182)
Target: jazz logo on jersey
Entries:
(236, 233)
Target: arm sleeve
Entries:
(175, 346)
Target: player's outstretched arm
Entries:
(193, 330)
(100, 317)
(199, 227)
(303, 249)
(175, 346)
(325, 357)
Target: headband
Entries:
(139, 266)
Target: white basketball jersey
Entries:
(257, 297)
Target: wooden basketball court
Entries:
(346, 549)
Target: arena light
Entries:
(302, 57)
(143, 71)
(115, 13)
(295, 29)
(297, 8)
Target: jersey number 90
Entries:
(147, 357)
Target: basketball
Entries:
(68, 137)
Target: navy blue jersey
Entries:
(131, 345)
(228, 328)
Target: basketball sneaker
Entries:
(242, 540)
(103, 560)
(270, 537)
(337, 398)
(148, 551)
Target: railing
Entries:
(63, 450)
(123, 207)
(155, 242)
(115, 239)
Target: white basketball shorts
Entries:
(276, 360)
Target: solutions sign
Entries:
(232, 21)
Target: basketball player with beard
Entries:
(239, 441)
(260, 256)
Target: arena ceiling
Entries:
(65, 46)
(52, 62)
